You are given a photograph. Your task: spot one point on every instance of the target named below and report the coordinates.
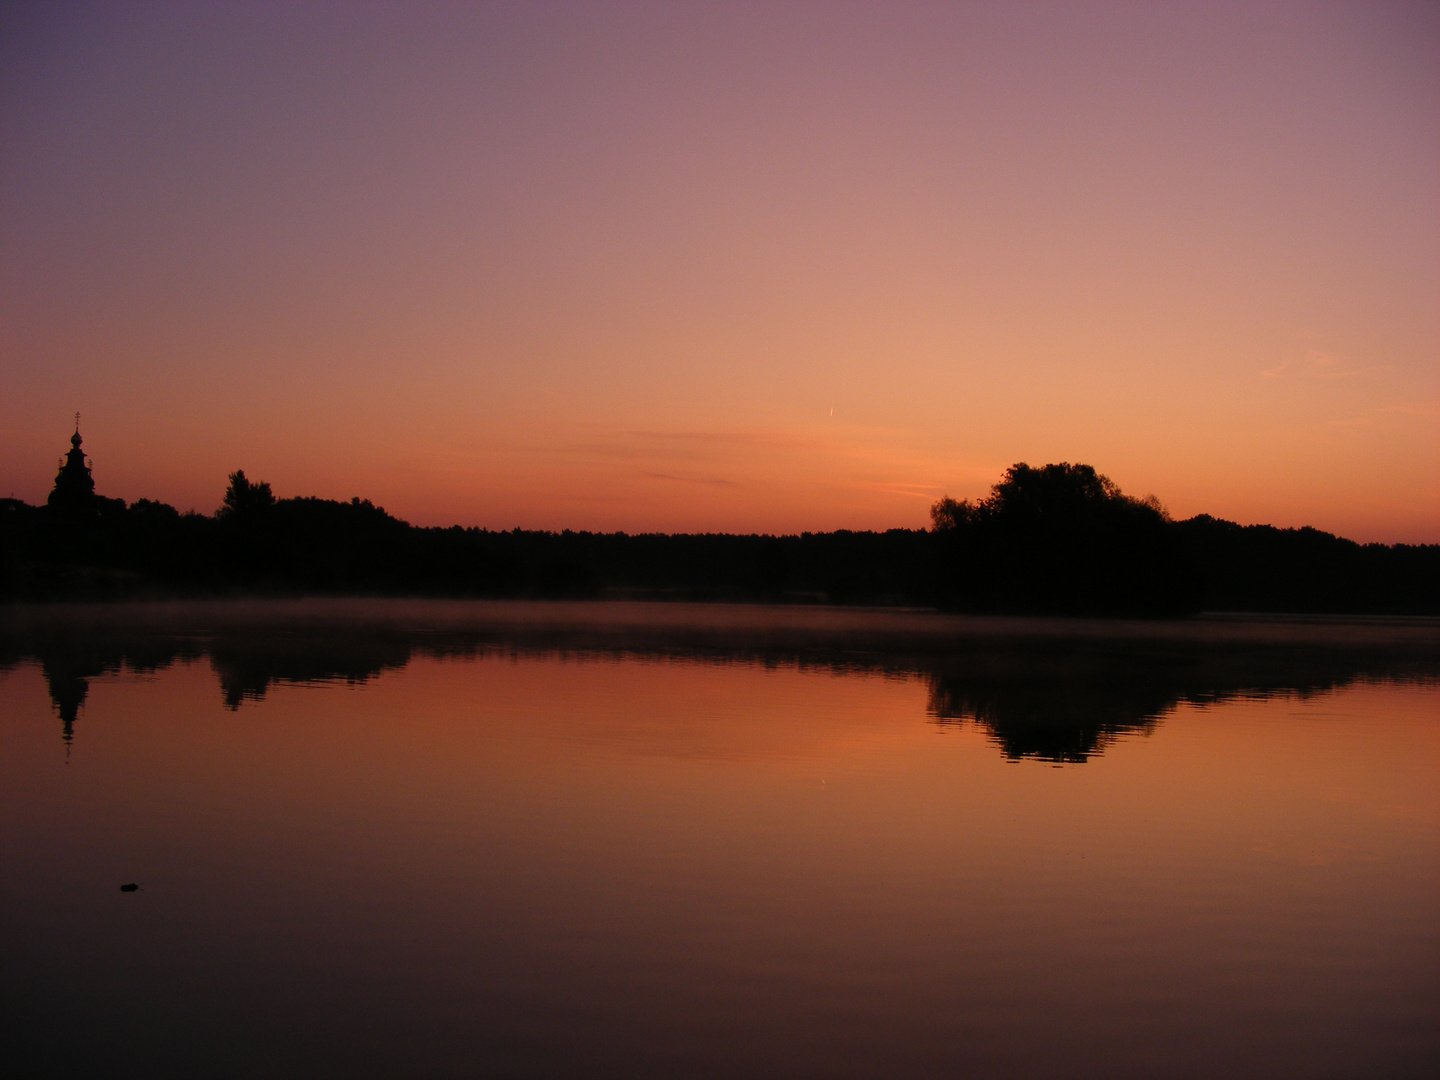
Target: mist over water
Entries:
(630, 840)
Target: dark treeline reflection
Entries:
(1053, 690)
(1054, 719)
(247, 667)
(1067, 709)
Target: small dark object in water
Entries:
(132, 887)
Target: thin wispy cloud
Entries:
(713, 481)
(1318, 365)
(1427, 412)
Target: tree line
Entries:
(1054, 539)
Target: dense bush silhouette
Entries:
(1060, 539)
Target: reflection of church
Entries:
(69, 684)
(74, 486)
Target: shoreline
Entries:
(879, 629)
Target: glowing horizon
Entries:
(726, 269)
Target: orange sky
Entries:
(762, 267)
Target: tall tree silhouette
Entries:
(244, 499)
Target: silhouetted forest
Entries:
(1059, 539)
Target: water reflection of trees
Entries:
(1062, 705)
(1053, 720)
(1054, 699)
(248, 667)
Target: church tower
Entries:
(74, 486)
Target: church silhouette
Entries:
(74, 486)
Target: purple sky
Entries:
(740, 267)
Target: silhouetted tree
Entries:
(1060, 539)
(242, 498)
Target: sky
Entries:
(726, 267)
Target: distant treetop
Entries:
(243, 499)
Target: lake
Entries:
(483, 839)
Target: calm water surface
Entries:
(473, 852)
